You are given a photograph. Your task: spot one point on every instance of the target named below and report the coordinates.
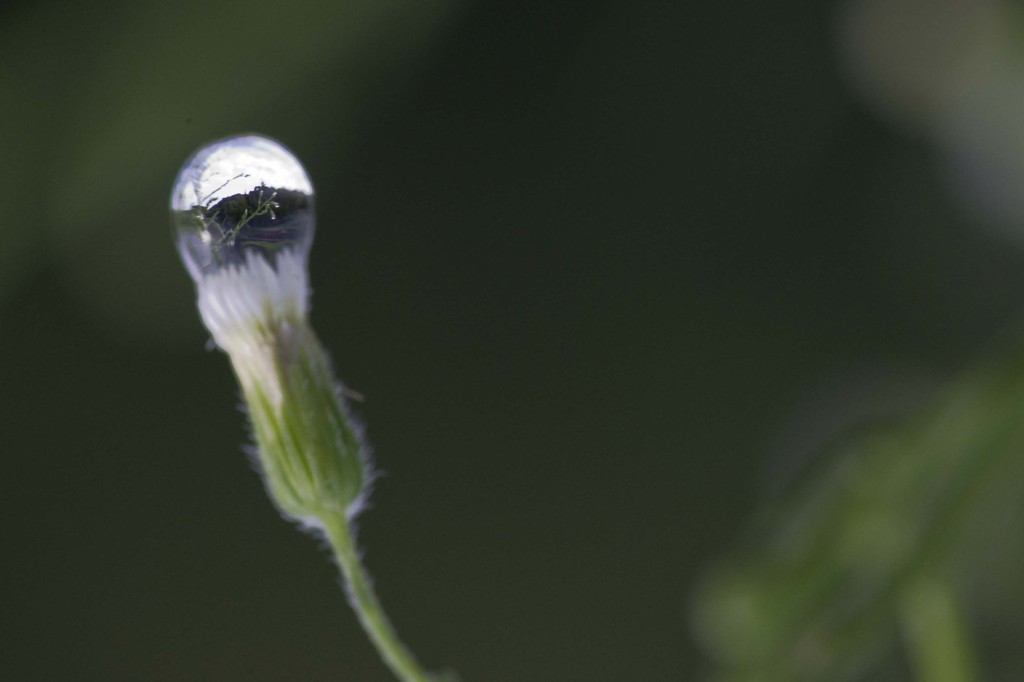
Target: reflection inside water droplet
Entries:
(240, 195)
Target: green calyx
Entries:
(309, 448)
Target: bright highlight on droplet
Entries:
(237, 196)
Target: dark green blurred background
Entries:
(599, 269)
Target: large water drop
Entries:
(237, 196)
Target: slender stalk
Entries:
(367, 606)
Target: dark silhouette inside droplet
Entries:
(264, 218)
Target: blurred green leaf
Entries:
(817, 591)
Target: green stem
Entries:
(936, 635)
(366, 604)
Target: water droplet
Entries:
(240, 195)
